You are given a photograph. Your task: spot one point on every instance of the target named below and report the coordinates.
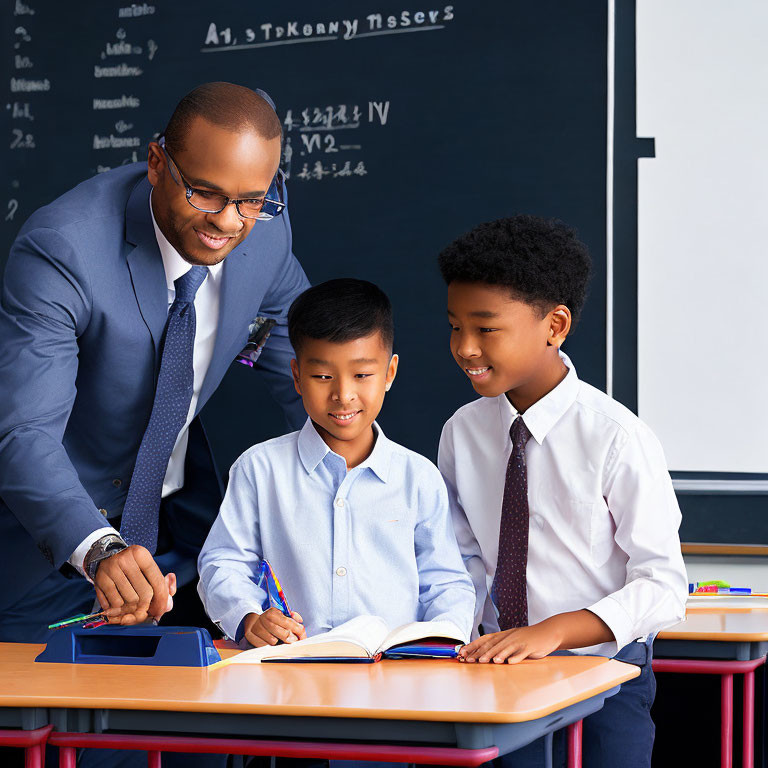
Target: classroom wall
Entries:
(702, 267)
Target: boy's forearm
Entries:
(579, 629)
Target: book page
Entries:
(420, 630)
(356, 638)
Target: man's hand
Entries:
(272, 627)
(131, 588)
(575, 629)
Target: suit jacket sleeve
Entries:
(44, 308)
(275, 359)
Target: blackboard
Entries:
(405, 125)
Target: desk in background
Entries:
(720, 641)
(444, 704)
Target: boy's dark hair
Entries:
(540, 261)
(341, 310)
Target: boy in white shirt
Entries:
(562, 504)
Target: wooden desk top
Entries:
(433, 689)
(713, 623)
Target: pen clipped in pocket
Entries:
(258, 333)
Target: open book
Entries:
(364, 638)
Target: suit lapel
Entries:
(146, 264)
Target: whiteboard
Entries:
(702, 93)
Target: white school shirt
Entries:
(604, 519)
(207, 322)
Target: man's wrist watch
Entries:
(100, 550)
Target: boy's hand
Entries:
(513, 645)
(272, 627)
(131, 588)
(575, 629)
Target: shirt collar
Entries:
(174, 264)
(313, 449)
(544, 413)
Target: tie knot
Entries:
(519, 433)
(187, 285)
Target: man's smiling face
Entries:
(238, 164)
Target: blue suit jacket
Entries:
(82, 313)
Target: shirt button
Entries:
(117, 482)
(341, 571)
(339, 503)
(103, 512)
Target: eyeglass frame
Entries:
(189, 190)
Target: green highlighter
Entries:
(81, 619)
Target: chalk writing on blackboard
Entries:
(21, 84)
(122, 102)
(22, 9)
(21, 140)
(135, 10)
(219, 38)
(316, 129)
(120, 70)
(319, 170)
(20, 110)
(115, 142)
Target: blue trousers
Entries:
(619, 734)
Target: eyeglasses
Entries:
(259, 208)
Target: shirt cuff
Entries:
(234, 617)
(76, 560)
(613, 613)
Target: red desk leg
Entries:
(748, 744)
(726, 721)
(33, 757)
(726, 669)
(153, 759)
(32, 742)
(573, 737)
(67, 757)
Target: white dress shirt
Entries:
(604, 519)
(207, 321)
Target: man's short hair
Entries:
(339, 311)
(539, 261)
(225, 104)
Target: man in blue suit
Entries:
(123, 304)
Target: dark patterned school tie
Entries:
(169, 413)
(509, 590)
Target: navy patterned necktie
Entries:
(173, 395)
(509, 590)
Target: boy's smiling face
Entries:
(342, 386)
(505, 345)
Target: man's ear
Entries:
(391, 371)
(559, 325)
(295, 372)
(155, 163)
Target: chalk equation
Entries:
(269, 33)
(314, 132)
(320, 170)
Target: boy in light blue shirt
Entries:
(351, 522)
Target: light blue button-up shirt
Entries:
(376, 539)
